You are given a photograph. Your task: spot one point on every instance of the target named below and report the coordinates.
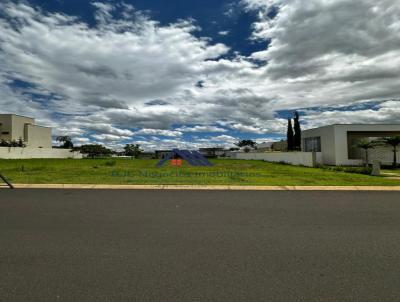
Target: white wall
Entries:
(334, 144)
(341, 131)
(327, 135)
(26, 153)
(18, 126)
(294, 158)
(38, 137)
(21, 127)
(5, 126)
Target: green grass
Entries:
(392, 172)
(128, 171)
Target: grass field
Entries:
(391, 172)
(130, 171)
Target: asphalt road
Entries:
(77, 245)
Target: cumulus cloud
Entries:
(67, 57)
(159, 132)
(108, 137)
(226, 139)
(200, 128)
(129, 76)
(383, 113)
(331, 52)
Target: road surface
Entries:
(106, 245)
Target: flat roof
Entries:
(332, 125)
(34, 125)
(32, 118)
(365, 124)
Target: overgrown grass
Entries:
(224, 172)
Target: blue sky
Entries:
(197, 73)
(212, 16)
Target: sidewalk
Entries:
(194, 187)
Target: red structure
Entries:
(176, 162)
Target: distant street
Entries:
(199, 246)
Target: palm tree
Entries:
(393, 141)
(366, 145)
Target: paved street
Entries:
(205, 246)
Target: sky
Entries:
(198, 73)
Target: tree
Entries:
(21, 143)
(393, 141)
(366, 145)
(246, 143)
(297, 132)
(66, 142)
(14, 143)
(132, 150)
(290, 137)
(93, 151)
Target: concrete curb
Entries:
(197, 187)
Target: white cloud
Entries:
(159, 132)
(199, 128)
(223, 32)
(326, 52)
(258, 126)
(109, 137)
(131, 76)
(81, 140)
(83, 64)
(386, 113)
(223, 138)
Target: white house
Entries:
(15, 127)
(337, 143)
(36, 139)
(264, 147)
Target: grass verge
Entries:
(141, 172)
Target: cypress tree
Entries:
(290, 137)
(297, 132)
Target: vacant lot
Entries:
(130, 171)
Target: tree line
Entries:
(97, 150)
(293, 144)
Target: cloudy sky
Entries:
(182, 73)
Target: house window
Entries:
(5, 133)
(312, 144)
